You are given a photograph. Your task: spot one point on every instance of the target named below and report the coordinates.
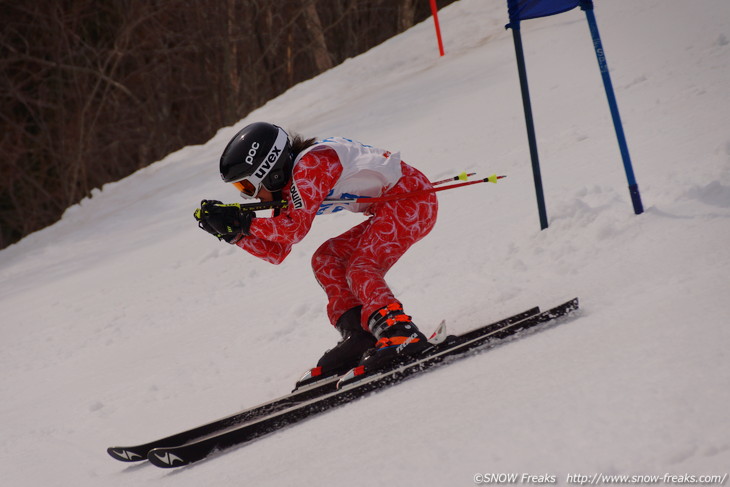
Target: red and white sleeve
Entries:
(271, 239)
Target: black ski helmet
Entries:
(259, 154)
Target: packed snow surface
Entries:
(124, 322)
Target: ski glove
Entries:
(227, 222)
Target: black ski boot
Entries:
(348, 351)
(397, 337)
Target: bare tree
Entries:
(320, 53)
(406, 14)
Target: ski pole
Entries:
(267, 205)
(461, 177)
(262, 205)
(254, 206)
(491, 179)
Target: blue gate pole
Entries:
(515, 26)
(587, 7)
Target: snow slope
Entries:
(124, 322)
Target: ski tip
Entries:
(162, 458)
(124, 454)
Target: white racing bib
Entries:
(366, 172)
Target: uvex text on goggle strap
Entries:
(250, 186)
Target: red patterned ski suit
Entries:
(351, 267)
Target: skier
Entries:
(263, 162)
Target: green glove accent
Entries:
(229, 222)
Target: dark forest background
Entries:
(93, 90)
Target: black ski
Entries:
(138, 453)
(177, 456)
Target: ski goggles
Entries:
(247, 188)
